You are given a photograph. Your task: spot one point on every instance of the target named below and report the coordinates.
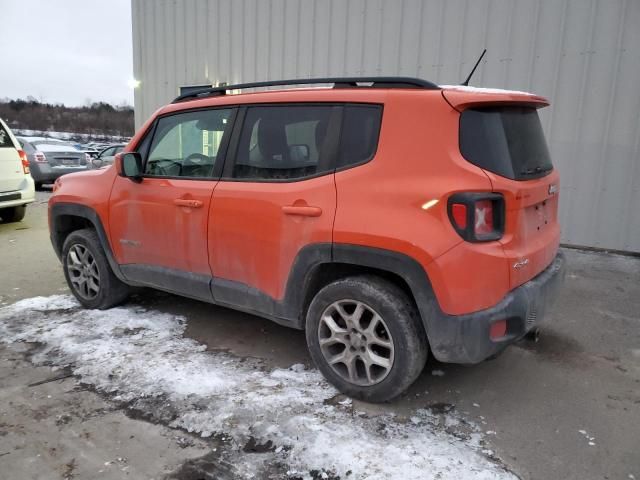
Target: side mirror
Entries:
(130, 166)
(96, 162)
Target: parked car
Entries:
(50, 158)
(16, 185)
(86, 149)
(386, 220)
(106, 156)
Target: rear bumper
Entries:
(43, 172)
(466, 339)
(26, 194)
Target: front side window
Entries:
(285, 142)
(187, 144)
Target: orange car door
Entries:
(277, 196)
(159, 225)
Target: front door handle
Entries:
(302, 210)
(183, 202)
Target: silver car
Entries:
(50, 158)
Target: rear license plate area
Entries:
(538, 216)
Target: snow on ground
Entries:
(140, 356)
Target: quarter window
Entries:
(187, 144)
(5, 139)
(285, 142)
(360, 131)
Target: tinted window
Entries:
(5, 140)
(507, 141)
(284, 142)
(360, 130)
(187, 144)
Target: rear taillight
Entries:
(39, 157)
(477, 217)
(25, 161)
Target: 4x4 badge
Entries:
(553, 188)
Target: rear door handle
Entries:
(304, 211)
(183, 202)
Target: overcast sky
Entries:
(66, 51)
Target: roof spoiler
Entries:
(462, 97)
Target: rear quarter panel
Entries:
(398, 201)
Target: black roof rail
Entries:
(338, 82)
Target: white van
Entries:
(16, 185)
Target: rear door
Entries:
(159, 226)
(276, 197)
(11, 170)
(508, 143)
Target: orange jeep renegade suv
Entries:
(384, 216)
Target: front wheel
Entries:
(88, 273)
(365, 336)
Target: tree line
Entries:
(95, 119)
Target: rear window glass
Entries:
(507, 141)
(5, 139)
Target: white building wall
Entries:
(584, 55)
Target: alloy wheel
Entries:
(356, 342)
(83, 271)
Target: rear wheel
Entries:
(365, 336)
(13, 214)
(88, 273)
(38, 186)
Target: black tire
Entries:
(38, 186)
(111, 291)
(13, 214)
(409, 341)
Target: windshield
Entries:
(507, 141)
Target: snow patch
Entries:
(140, 356)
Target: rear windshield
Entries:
(507, 141)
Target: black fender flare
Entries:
(399, 264)
(58, 233)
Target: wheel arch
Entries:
(65, 218)
(349, 260)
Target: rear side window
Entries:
(284, 142)
(360, 131)
(5, 139)
(507, 141)
(187, 144)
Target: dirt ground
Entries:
(542, 404)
